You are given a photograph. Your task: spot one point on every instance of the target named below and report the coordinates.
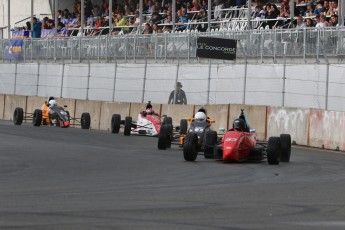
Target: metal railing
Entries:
(257, 44)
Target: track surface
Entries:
(54, 178)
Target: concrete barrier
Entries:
(292, 121)
(12, 102)
(327, 129)
(256, 116)
(110, 108)
(218, 113)
(177, 112)
(2, 106)
(92, 107)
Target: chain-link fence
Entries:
(257, 44)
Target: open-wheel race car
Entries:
(239, 144)
(51, 115)
(148, 123)
(184, 136)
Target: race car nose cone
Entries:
(66, 124)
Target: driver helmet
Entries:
(200, 116)
(52, 103)
(202, 109)
(149, 108)
(239, 125)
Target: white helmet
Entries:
(52, 103)
(200, 116)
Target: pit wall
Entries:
(308, 127)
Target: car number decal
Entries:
(231, 139)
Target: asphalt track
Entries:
(54, 178)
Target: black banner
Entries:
(218, 48)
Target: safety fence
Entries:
(259, 44)
(317, 86)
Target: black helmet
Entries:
(239, 125)
(149, 106)
(202, 109)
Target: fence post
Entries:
(62, 77)
(114, 81)
(284, 75)
(88, 82)
(245, 81)
(38, 78)
(209, 82)
(15, 78)
(327, 85)
(144, 83)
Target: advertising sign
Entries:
(217, 48)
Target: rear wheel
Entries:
(210, 142)
(128, 126)
(183, 126)
(18, 116)
(285, 140)
(190, 151)
(85, 120)
(115, 123)
(273, 150)
(163, 137)
(167, 121)
(37, 118)
(170, 134)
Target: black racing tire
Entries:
(190, 149)
(183, 126)
(167, 121)
(115, 123)
(163, 137)
(18, 116)
(285, 141)
(85, 120)
(170, 134)
(210, 142)
(273, 150)
(37, 117)
(128, 126)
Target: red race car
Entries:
(239, 144)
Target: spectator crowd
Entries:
(157, 16)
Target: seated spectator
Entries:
(309, 23)
(300, 23)
(181, 21)
(156, 29)
(202, 17)
(147, 29)
(334, 6)
(259, 13)
(319, 24)
(66, 14)
(97, 11)
(334, 20)
(218, 13)
(105, 6)
(97, 28)
(323, 20)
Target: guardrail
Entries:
(325, 42)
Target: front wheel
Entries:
(273, 150)
(285, 140)
(18, 116)
(128, 126)
(115, 123)
(163, 137)
(210, 142)
(190, 151)
(37, 118)
(85, 120)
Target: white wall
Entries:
(305, 85)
